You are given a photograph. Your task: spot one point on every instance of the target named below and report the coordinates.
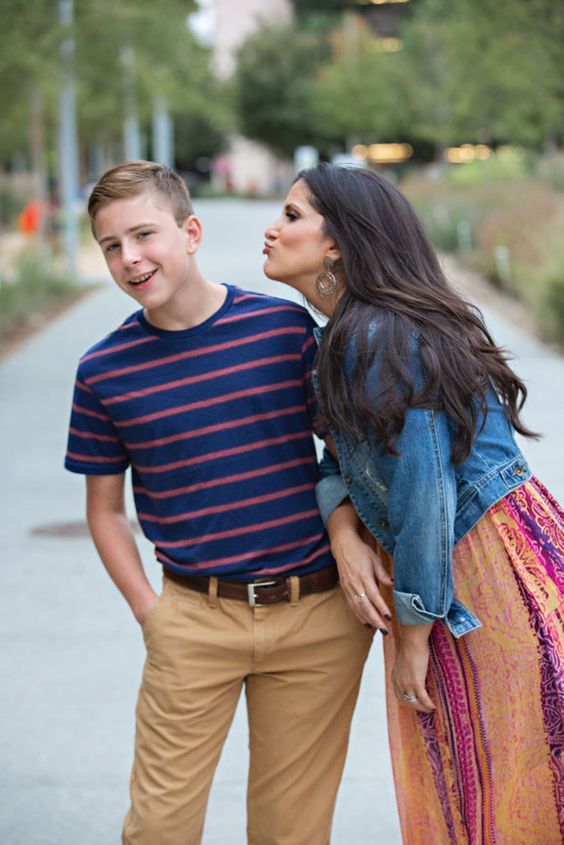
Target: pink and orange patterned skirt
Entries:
(487, 768)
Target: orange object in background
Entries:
(30, 216)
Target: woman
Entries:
(421, 407)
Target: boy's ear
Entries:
(193, 229)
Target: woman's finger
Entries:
(425, 702)
(408, 677)
(359, 599)
(377, 601)
(414, 697)
(380, 571)
(420, 702)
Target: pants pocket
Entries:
(148, 624)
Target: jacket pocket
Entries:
(373, 478)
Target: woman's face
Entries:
(295, 246)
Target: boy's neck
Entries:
(199, 300)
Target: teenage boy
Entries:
(203, 392)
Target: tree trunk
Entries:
(38, 159)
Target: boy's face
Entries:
(148, 254)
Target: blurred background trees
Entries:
(454, 71)
(128, 57)
(472, 89)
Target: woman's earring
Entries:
(326, 282)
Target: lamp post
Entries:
(67, 146)
(163, 142)
(131, 135)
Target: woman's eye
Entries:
(291, 215)
(112, 247)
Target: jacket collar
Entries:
(318, 333)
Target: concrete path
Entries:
(71, 654)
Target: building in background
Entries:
(248, 167)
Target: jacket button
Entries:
(519, 470)
(383, 523)
(348, 479)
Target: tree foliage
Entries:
(481, 71)
(126, 51)
(357, 93)
(469, 70)
(28, 67)
(490, 70)
(274, 85)
(509, 72)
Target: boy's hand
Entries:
(142, 610)
(113, 536)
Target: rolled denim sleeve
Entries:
(421, 514)
(331, 490)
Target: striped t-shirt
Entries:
(215, 423)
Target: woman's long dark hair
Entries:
(390, 273)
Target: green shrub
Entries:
(548, 281)
(531, 234)
(552, 309)
(516, 232)
(10, 207)
(445, 213)
(506, 165)
(32, 291)
(551, 170)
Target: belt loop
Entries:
(212, 592)
(294, 590)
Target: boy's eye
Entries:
(143, 234)
(111, 247)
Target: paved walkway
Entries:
(71, 656)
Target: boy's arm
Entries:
(114, 540)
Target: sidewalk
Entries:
(72, 656)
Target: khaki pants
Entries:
(301, 665)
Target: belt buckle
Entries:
(251, 591)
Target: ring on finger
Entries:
(410, 699)
(360, 596)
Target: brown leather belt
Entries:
(264, 590)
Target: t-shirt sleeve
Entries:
(94, 446)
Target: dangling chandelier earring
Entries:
(326, 282)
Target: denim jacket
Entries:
(418, 504)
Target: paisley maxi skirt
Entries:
(487, 768)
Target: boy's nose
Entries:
(130, 256)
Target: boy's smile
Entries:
(142, 281)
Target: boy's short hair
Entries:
(133, 178)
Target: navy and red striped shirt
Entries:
(215, 423)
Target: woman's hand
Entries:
(360, 569)
(411, 667)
